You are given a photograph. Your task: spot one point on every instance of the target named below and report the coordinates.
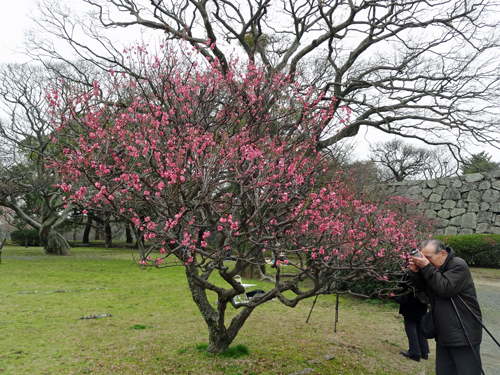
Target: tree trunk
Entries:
(253, 271)
(3, 238)
(139, 243)
(219, 336)
(86, 232)
(98, 232)
(128, 234)
(53, 242)
(216, 343)
(217, 333)
(257, 269)
(108, 236)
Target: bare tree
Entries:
(399, 161)
(441, 164)
(26, 186)
(420, 69)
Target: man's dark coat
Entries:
(451, 280)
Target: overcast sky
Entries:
(16, 20)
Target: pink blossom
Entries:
(285, 189)
(66, 188)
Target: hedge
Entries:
(25, 237)
(478, 250)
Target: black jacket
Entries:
(451, 280)
(410, 305)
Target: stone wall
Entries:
(462, 205)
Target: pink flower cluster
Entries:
(220, 150)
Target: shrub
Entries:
(25, 237)
(478, 250)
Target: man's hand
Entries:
(419, 262)
(413, 266)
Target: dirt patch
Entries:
(493, 283)
(485, 274)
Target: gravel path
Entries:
(488, 292)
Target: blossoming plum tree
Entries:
(202, 162)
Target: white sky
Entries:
(16, 20)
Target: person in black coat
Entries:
(413, 308)
(449, 279)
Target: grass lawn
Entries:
(155, 327)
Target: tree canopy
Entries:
(480, 162)
(420, 69)
(201, 163)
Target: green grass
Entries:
(155, 327)
(140, 326)
(237, 351)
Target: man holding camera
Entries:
(448, 281)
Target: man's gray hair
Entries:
(435, 243)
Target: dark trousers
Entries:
(457, 360)
(417, 342)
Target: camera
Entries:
(415, 253)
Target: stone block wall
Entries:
(462, 205)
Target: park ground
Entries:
(155, 327)
(488, 289)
